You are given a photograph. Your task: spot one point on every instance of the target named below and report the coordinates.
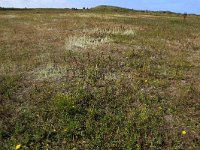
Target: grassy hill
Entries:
(110, 8)
(98, 80)
(107, 8)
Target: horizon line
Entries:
(100, 5)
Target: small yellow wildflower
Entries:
(184, 132)
(18, 146)
(54, 130)
(65, 130)
(47, 147)
(146, 81)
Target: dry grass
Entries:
(84, 42)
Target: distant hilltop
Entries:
(110, 8)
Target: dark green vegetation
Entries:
(110, 8)
(92, 80)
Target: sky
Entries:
(181, 6)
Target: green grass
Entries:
(132, 84)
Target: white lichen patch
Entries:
(85, 41)
(111, 76)
(128, 32)
(92, 15)
(8, 16)
(114, 31)
(44, 57)
(50, 71)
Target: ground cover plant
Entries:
(91, 79)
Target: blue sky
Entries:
(189, 6)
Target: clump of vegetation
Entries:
(84, 42)
(49, 72)
(99, 80)
(115, 31)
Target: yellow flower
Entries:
(47, 145)
(18, 146)
(65, 130)
(184, 132)
(146, 81)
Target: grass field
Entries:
(99, 80)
